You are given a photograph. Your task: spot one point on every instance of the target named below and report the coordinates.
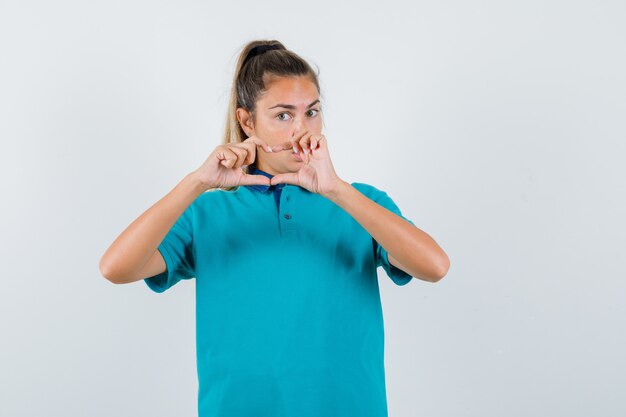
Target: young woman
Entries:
(284, 253)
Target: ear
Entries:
(245, 121)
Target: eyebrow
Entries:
(292, 107)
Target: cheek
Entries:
(277, 132)
(316, 124)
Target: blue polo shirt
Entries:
(288, 312)
(275, 189)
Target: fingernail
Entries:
(306, 151)
(311, 146)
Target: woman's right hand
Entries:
(223, 166)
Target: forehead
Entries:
(299, 91)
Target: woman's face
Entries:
(289, 105)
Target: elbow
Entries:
(108, 272)
(436, 270)
(442, 269)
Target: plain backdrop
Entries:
(496, 126)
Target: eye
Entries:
(286, 113)
(280, 114)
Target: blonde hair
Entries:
(258, 63)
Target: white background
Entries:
(496, 126)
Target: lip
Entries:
(297, 157)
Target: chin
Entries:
(294, 167)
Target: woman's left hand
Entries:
(317, 173)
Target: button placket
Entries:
(287, 224)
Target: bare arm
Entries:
(134, 255)
(408, 247)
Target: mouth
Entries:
(297, 157)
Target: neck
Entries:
(266, 168)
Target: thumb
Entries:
(288, 178)
(249, 179)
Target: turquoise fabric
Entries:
(288, 313)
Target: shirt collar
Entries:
(253, 170)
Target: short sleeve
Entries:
(397, 275)
(177, 251)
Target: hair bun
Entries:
(260, 49)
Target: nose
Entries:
(298, 126)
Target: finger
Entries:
(321, 141)
(287, 178)
(227, 157)
(241, 153)
(315, 141)
(250, 149)
(289, 144)
(304, 143)
(298, 141)
(249, 179)
(258, 142)
(285, 146)
(295, 147)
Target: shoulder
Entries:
(377, 195)
(368, 189)
(214, 198)
(217, 194)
